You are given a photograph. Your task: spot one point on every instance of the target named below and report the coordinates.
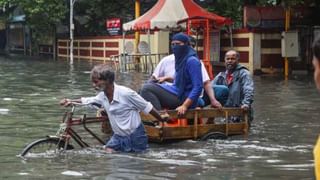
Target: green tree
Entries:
(226, 8)
(90, 15)
(42, 16)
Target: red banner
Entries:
(113, 26)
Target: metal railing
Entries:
(140, 62)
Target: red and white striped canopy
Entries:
(168, 13)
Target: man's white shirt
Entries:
(124, 110)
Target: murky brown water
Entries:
(279, 146)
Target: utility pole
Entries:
(71, 30)
(137, 33)
(287, 27)
(137, 15)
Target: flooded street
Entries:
(285, 127)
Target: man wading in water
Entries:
(122, 106)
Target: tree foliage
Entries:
(41, 15)
(90, 16)
(226, 8)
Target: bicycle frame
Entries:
(66, 132)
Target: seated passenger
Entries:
(238, 81)
(187, 85)
(165, 71)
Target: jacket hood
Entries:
(239, 66)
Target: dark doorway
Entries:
(3, 39)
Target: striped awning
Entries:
(169, 13)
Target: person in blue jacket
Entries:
(238, 80)
(233, 87)
(187, 86)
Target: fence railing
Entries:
(140, 62)
(92, 49)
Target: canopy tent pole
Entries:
(188, 24)
(149, 40)
(149, 52)
(208, 41)
(231, 38)
(208, 60)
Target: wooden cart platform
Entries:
(194, 124)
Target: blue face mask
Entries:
(179, 51)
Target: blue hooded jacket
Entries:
(188, 77)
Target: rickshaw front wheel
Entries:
(45, 146)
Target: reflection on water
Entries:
(279, 146)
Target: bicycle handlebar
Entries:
(74, 104)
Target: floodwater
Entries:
(279, 146)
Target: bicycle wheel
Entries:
(45, 146)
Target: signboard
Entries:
(113, 26)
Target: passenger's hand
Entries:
(155, 80)
(181, 110)
(245, 107)
(65, 102)
(162, 79)
(216, 104)
(165, 117)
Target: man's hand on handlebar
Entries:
(165, 117)
(65, 102)
(68, 102)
